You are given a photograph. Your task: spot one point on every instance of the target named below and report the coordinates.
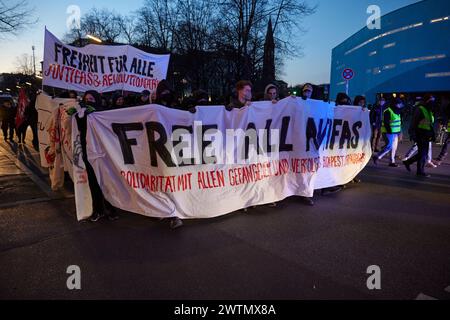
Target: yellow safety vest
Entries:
(427, 122)
(395, 122)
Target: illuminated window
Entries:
(389, 45)
(372, 53)
(376, 70)
(384, 35)
(440, 19)
(438, 56)
(437, 75)
(389, 66)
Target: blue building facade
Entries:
(409, 54)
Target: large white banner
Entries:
(100, 67)
(162, 162)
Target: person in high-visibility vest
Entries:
(444, 152)
(391, 127)
(423, 130)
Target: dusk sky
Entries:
(333, 22)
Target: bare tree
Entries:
(15, 16)
(104, 24)
(155, 23)
(128, 30)
(24, 64)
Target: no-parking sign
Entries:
(348, 74)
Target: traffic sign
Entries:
(348, 74)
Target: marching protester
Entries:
(360, 101)
(201, 97)
(7, 115)
(144, 98)
(31, 116)
(91, 102)
(423, 130)
(446, 123)
(118, 101)
(414, 148)
(342, 99)
(376, 120)
(271, 93)
(244, 95)
(307, 91)
(392, 127)
(165, 95)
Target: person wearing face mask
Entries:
(376, 119)
(91, 102)
(392, 127)
(423, 127)
(118, 101)
(244, 95)
(165, 95)
(143, 98)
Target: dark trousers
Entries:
(98, 200)
(22, 131)
(34, 129)
(376, 136)
(8, 124)
(423, 143)
(444, 152)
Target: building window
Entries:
(440, 19)
(438, 56)
(389, 66)
(437, 75)
(389, 45)
(372, 53)
(384, 35)
(376, 70)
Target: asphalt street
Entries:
(391, 219)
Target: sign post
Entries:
(347, 74)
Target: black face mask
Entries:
(167, 97)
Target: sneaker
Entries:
(405, 159)
(438, 162)
(331, 190)
(393, 165)
(175, 223)
(96, 216)
(430, 165)
(424, 175)
(273, 204)
(407, 166)
(308, 201)
(356, 180)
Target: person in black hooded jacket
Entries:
(92, 102)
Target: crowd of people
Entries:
(386, 118)
(12, 127)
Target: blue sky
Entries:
(333, 22)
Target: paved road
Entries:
(391, 219)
